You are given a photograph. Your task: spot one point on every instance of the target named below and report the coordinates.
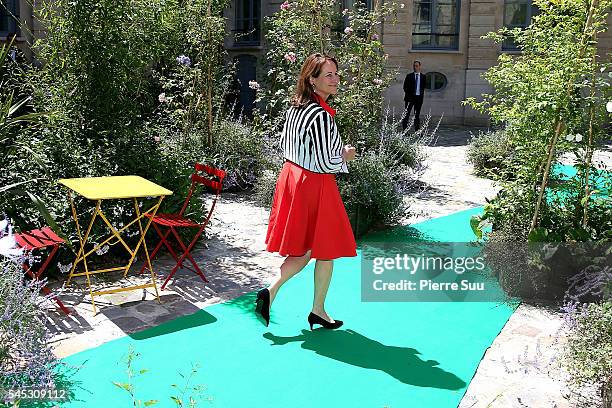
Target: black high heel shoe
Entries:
(316, 319)
(263, 305)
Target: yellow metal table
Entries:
(113, 188)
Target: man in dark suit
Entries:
(414, 88)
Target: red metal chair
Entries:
(178, 220)
(36, 240)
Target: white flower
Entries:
(344, 12)
(402, 5)
(8, 245)
(162, 98)
(609, 106)
(64, 268)
(157, 138)
(254, 85)
(285, 6)
(348, 30)
(569, 138)
(578, 137)
(3, 225)
(377, 81)
(102, 250)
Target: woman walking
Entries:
(308, 218)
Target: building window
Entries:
(435, 81)
(436, 24)
(246, 71)
(517, 13)
(9, 17)
(353, 5)
(248, 22)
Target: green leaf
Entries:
(539, 234)
(14, 108)
(579, 234)
(42, 207)
(10, 186)
(35, 156)
(150, 402)
(124, 386)
(475, 225)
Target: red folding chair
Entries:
(36, 240)
(178, 220)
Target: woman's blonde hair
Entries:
(304, 91)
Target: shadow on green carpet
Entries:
(350, 347)
(199, 318)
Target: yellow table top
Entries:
(114, 187)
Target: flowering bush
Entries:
(301, 28)
(195, 88)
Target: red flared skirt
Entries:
(308, 214)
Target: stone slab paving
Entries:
(517, 370)
(521, 368)
(448, 184)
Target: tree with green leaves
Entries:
(551, 100)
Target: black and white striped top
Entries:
(310, 139)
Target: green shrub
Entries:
(373, 187)
(265, 186)
(239, 151)
(105, 63)
(383, 173)
(489, 151)
(551, 100)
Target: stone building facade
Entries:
(443, 34)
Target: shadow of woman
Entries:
(353, 348)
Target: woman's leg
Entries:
(322, 278)
(291, 266)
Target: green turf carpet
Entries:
(395, 354)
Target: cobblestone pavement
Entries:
(519, 369)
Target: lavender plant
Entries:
(588, 350)
(374, 190)
(589, 342)
(26, 359)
